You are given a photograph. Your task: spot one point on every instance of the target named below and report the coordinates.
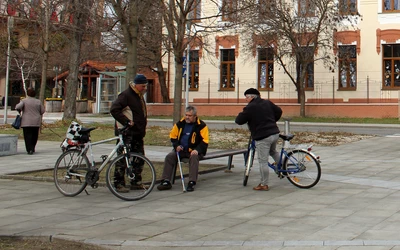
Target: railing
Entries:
(367, 91)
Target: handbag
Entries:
(17, 122)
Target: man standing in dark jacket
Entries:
(190, 138)
(261, 116)
(130, 109)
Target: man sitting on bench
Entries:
(189, 137)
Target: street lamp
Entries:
(57, 69)
(188, 24)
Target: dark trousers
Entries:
(31, 135)
(135, 145)
(171, 160)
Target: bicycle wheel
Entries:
(70, 172)
(131, 182)
(301, 168)
(249, 164)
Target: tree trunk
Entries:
(163, 82)
(302, 97)
(132, 43)
(45, 55)
(72, 79)
(79, 24)
(43, 81)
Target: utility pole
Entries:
(10, 24)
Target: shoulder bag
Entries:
(17, 122)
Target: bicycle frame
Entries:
(129, 175)
(284, 154)
(88, 147)
(296, 163)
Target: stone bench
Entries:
(8, 144)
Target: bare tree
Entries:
(298, 33)
(180, 19)
(26, 68)
(128, 16)
(80, 12)
(34, 25)
(152, 48)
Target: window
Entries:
(306, 8)
(194, 70)
(391, 6)
(307, 60)
(347, 67)
(391, 64)
(229, 8)
(227, 69)
(195, 14)
(347, 7)
(265, 69)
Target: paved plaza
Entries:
(356, 205)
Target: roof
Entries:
(97, 66)
(102, 66)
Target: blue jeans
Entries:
(265, 148)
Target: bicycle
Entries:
(300, 166)
(73, 171)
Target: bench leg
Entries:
(230, 162)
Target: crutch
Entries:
(180, 170)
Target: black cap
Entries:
(252, 91)
(140, 79)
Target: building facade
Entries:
(367, 71)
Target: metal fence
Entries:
(367, 90)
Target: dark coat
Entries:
(132, 99)
(261, 116)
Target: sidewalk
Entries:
(355, 205)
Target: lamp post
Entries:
(187, 64)
(57, 69)
(10, 24)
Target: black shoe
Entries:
(190, 186)
(164, 185)
(30, 152)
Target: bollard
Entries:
(287, 131)
(287, 126)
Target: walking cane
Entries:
(180, 170)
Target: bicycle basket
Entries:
(67, 144)
(78, 133)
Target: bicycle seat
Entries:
(86, 130)
(286, 137)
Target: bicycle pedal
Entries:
(94, 186)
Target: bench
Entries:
(213, 155)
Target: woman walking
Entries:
(32, 110)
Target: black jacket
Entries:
(133, 99)
(261, 116)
